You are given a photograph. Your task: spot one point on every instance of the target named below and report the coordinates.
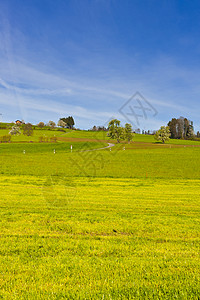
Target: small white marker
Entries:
(54, 151)
(110, 149)
(24, 151)
(124, 148)
(71, 148)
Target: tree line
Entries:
(27, 128)
(180, 128)
(119, 133)
(67, 122)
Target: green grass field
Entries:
(99, 224)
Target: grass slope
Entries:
(99, 238)
(99, 224)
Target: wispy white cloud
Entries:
(36, 91)
(52, 106)
(30, 85)
(37, 82)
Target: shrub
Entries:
(52, 124)
(53, 139)
(43, 139)
(28, 129)
(40, 125)
(5, 138)
(61, 129)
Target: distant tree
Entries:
(186, 127)
(52, 124)
(40, 125)
(94, 128)
(128, 132)
(181, 128)
(137, 130)
(115, 131)
(162, 134)
(173, 128)
(198, 134)
(61, 123)
(69, 121)
(15, 130)
(191, 131)
(28, 129)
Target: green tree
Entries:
(61, 123)
(52, 124)
(186, 127)
(181, 128)
(28, 129)
(190, 131)
(162, 134)
(94, 128)
(69, 121)
(128, 132)
(173, 128)
(115, 131)
(40, 125)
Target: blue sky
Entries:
(87, 59)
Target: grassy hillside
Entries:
(84, 134)
(113, 238)
(119, 224)
(131, 163)
(36, 134)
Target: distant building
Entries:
(18, 122)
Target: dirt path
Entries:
(109, 146)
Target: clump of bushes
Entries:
(28, 129)
(5, 138)
(53, 139)
(41, 125)
(61, 129)
(44, 139)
